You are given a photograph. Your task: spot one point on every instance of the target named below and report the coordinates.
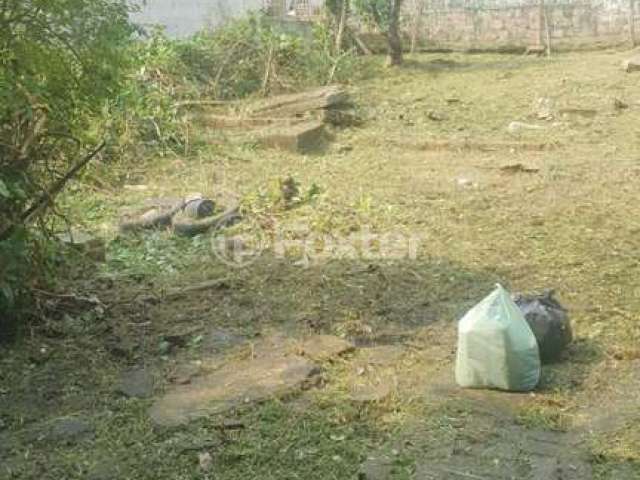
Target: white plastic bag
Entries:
(496, 347)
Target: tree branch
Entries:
(47, 197)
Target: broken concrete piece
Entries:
(631, 64)
(70, 430)
(436, 116)
(89, 245)
(544, 108)
(136, 383)
(515, 127)
(236, 383)
(301, 138)
(321, 348)
(378, 467)
(107, 469)
(205, 460)
(219, 340)
(464, 182)
(301, 104)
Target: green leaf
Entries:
(7, 293)
(4, 191)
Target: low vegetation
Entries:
(88, 89)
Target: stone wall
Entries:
(507, 24)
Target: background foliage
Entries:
(61, 63)
(375, 12)
(76, 72)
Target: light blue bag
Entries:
(496, 347)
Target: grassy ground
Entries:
(426, 162)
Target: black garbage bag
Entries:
(549, 322)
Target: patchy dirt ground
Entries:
(518, 170)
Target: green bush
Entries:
(61, 63)
(74, 72)
(246, 56)
(252, 55)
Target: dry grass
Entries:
(572, 226)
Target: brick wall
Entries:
(495, 24)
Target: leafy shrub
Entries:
(247, 56)
(252, 55)
(60, 63)
(73, 72)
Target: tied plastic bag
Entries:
(496, 347)
(549, 322)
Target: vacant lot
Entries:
(505, 169)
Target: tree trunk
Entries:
(632, 23)
(344, 12)
(541, 8)
(393, 35)
(416, 23)
(547, 30)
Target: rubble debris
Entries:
(515, 127)
(301, 104)
(321, 348)
(518, 168)
(70, 430)
(237, 383)
(293, 122)
(436, 116)
(378, 467)
(136, 383)
(544, 108)
(464, 182)
(468, 145)
(301, 138)
(631, 64)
